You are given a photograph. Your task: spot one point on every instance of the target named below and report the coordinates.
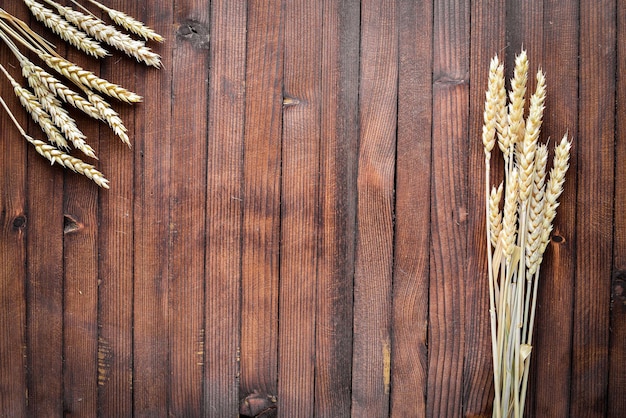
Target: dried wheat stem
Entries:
(88, 79)
(33, 106)
(55, 155)
(110, 35)
(65, 30)
(130, 24)
(57, 113)
(110, 116)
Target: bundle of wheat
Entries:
(47, 94)
(518, 229)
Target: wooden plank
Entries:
(299, 208)
(187, 199)
(153, 133)
(116, 248)
(409, 364)
(261, 217)
(448, 208)
(375, 188)
(224, 207)
(617, 343)
(552, 342)
(13, 232)
(487, 40)
(338, 161)
(588, 392)
(80, 267)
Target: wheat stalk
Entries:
(129, 23)
(88, 79)
(109, 35)
(59, 116)
(66, 31)
(54, 155)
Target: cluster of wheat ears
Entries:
(44, 100)
(518, 228)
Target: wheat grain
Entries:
(110, 116)
(528, 145)
(55, 155)
(58, 115)
(67, 32)
(110, 35)
(554, 188)
(491, 102)
(509, 218)
(88, 79)
(501, 113)
(535, 214)
(35, 109)
(495, 214)
(130, 24)
(517, 99)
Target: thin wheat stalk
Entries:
(109, 35)
(35, 109)
(66, 31)
(54, 155)
(88, 79)
(60, 117)
(130, 24)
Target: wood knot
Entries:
(70, 224)
(195, 32)
(258, 404)
(19, 222)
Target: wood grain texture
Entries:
(409, 360)
(151, 314)
(224, 207)
(617, 337)
(338, 164)
(590, 354)
(299, 250)
(13, 247)
(187, 199)
(488, 39)
(448, 225)
(552, 342)
(261, 206)
(375, 187)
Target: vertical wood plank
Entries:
(153, 133)
(299, 208)
(224, 207)
(551, 364)
(338, 161)
(261, 217)
(80, 266)
(448, 208)
(116, 248)
(375, 188)
(487, 40)
(409, 364)
(13, 235)
(187, 200)
(594, 258)
(617, 343)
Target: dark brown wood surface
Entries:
(298, 227)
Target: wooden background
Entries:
(298, 227)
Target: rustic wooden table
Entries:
(298, 227)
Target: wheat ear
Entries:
(491, 110)
(129, 23)
(509, 218)
(110, 35)
(54, 155)
(66, 31)
(59, 116)
(35, 109)
(110, 116)
(535, 214)
(495, 214)
(88, 79)
(517, 99)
